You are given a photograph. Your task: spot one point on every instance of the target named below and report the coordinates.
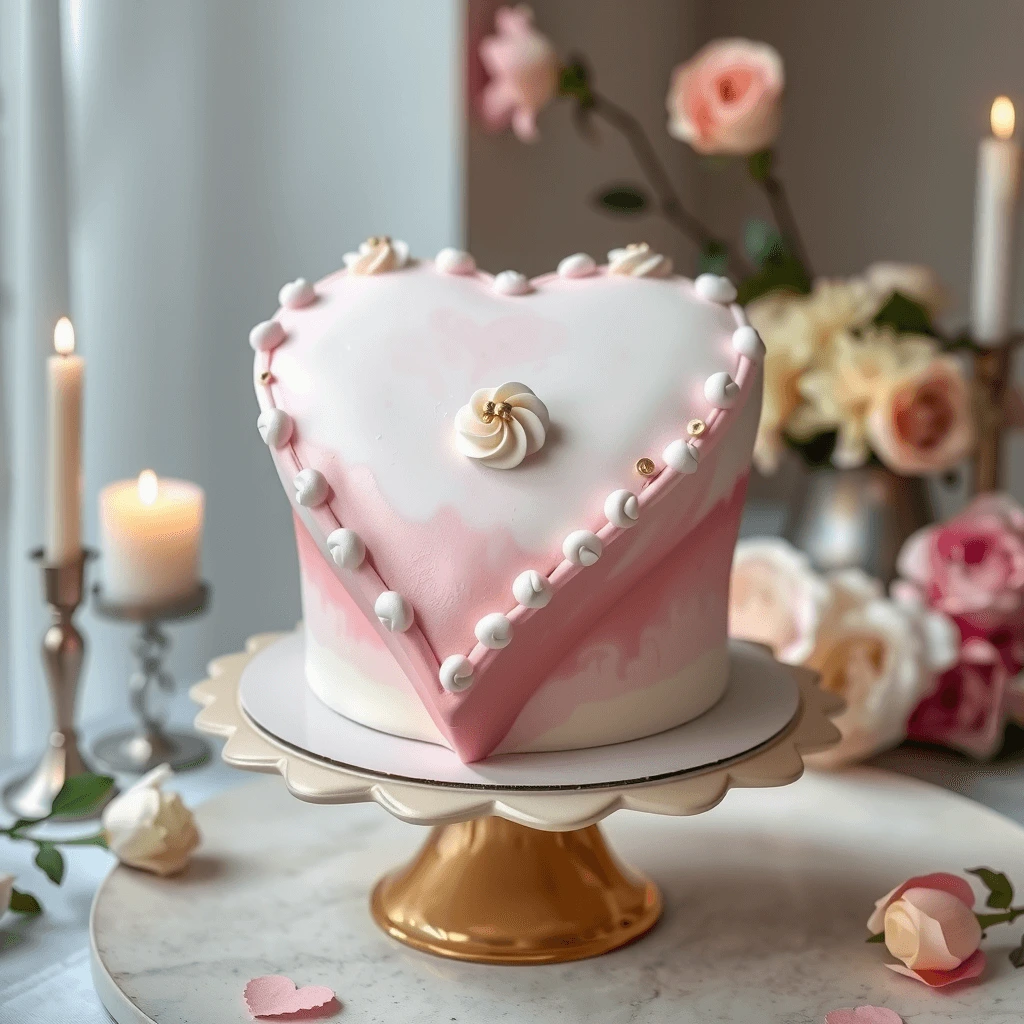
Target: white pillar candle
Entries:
(64, 374)
(150, 534)
(995, 224)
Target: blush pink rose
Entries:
(973, 565)
(924, 422)
(929, 924)
(728, 98)
(523, 69)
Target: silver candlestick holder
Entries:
(31, 796)
(138, 750)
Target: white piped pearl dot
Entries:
(456, 673)
(582, 547)
(622, 509)
(266, 335)
(532, 590)
(454, 261)
(296, 294)
(715, 288)
(579, 264)
(681, 456)
(721, 390)
(346, 548)
(494, 631)
(747, 342)
(394, 612)
(511, 282)
(310, 488)
(275, 427)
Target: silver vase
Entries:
(858, 518)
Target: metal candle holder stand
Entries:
(136, 751)
(31, 796)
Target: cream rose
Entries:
(931, 930)
(728, 98)
(149, 829)
(919, 283)
(923, 422)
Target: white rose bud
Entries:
(149, 829)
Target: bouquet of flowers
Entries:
(855, 369)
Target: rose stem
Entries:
(669, 204)
(784, 219)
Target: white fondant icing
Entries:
(275, 427)
(494, 631)
(456, 673)
(532, 590)
(346, 548)
(296, 294)
(715, 289)
(747, 342)
(681, 456)
(638, 260)
(377, 256)
(579, 264)
(266, 335)
(622, 509)
(721, 390)
(501, 426)
(511, 282)
(310, 487)
(454, 261)
(394, 611)
(582, 547)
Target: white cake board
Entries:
(766, 899)
(761, 700)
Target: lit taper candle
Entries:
(65, 372)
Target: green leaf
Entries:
(714, 259)
(781, 271)
(81, 795)
(987, 920)
(1017, 955)
(50, 862)
(904, 316)
(880, 937)
(760, 165)
(761, 241)
(622, 199)
(24, 903)
(1000, 891)
(574, 83)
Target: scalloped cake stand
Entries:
(516, 870)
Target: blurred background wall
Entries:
(216, 150)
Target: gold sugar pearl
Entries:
(266, 377)
(645, 466)
(696, 427)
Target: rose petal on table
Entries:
(970, 968)
(863, 1015)
(273, 995)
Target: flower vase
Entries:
(858, 518)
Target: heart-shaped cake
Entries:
(516, 501)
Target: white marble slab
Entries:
(766, 898)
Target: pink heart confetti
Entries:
(863, 1015)
(274, 995)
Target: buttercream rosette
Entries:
(501, 426)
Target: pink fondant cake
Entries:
(516, 501)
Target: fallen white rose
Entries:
(149, 829)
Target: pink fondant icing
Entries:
(454, 560)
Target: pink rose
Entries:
(929, 924)
(728, 98)
(973, 565)
(924, 422)
(523, 69)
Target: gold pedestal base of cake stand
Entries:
(496, 892)
(510, 874)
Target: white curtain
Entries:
(214, 151)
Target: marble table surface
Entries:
(44, 969)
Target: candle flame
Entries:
(148, 485)
(1003, 117)
(64, 337)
